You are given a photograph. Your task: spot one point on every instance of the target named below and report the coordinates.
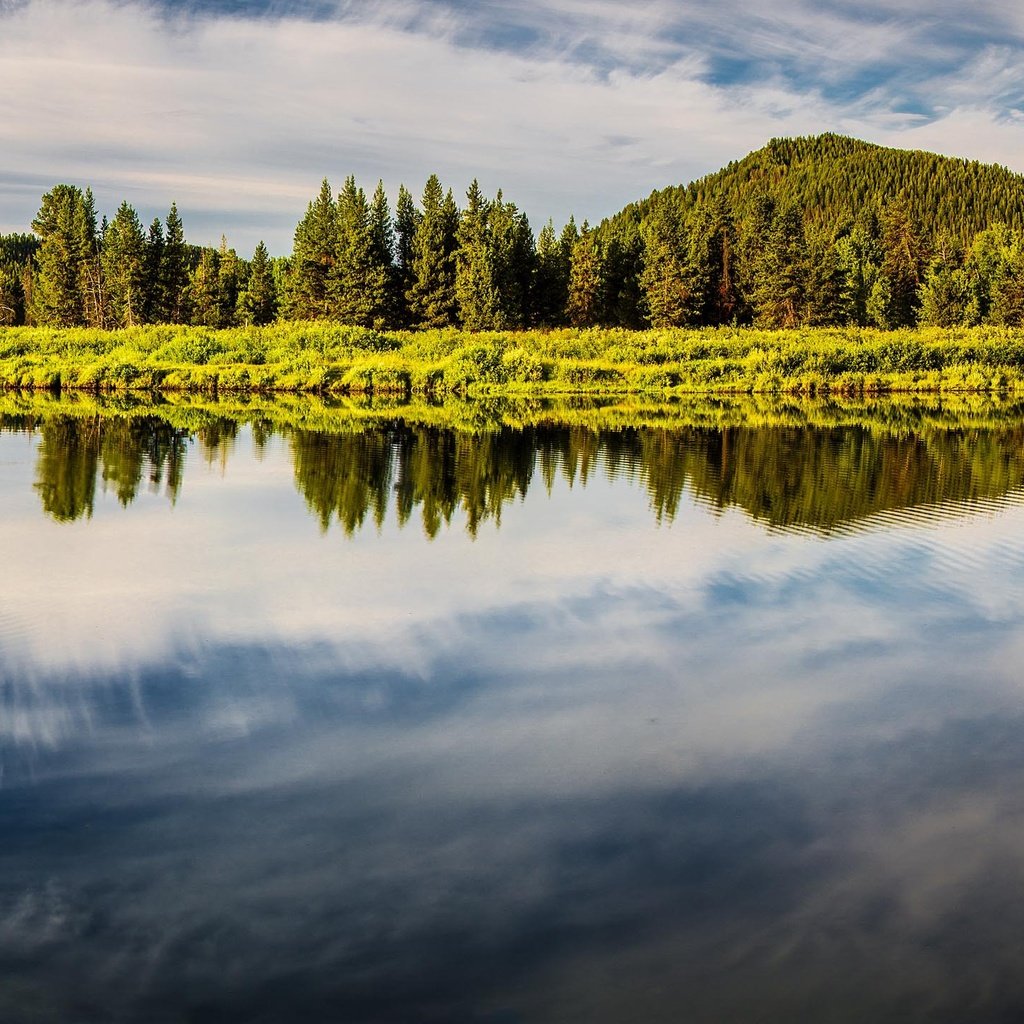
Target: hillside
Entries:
(821, 231)
(833, 179)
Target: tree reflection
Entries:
(123, 452)
(819, 477)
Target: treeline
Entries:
(78, 271)
(792, 476)
(825, 231)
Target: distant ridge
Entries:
(833, 178)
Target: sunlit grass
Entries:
(335, 360)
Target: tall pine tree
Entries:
(431, 297)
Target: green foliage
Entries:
(327, 357)
(125, 268)
(257, 302)
(314, 255)
(824, 231)
(431, 295)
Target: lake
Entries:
(582, 713)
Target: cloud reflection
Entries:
(585, 766)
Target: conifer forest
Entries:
(822, 232)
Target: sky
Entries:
(237, 110)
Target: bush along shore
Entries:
(331, 359)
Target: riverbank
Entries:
(329, 359)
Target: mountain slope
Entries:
(832, 179)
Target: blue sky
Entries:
(237, 110)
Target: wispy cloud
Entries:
(237, 110)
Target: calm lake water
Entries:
(373, 720)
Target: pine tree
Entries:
(65, 246)
(407, 221)
(229, 283)
(257, 303)
(358, 283)
(475, 289)
(515, 262)
(944, 292)
(780, 273)
(12, 295)
(431, 298)
(203, 294)
(583, 308)
(124, 268)
(174, 272)
(382, 231)
(859, 256)
(154, 259)
(828, 297)
(663, 279)
(1007, 306)
(90, 274)
(314, 255)
(711, 263)
(983, 267)
(552, 285)
(902, 263)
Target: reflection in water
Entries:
(787, 476)
(583, 768)
(128, 450)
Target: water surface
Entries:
(332, 716)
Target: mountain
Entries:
(832, 179)
(821, 231)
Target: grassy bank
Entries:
(335, 360)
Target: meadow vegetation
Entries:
(330, 359)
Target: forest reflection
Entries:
(819, 476)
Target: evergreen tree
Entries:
(828, 297)
(65, 246)
(124, 268)
(669, 298)
(475, 288)
(257, 303)
(382, 230)
(515, 262)
(431, 298)
(780, 273)
(903, 263)
(407, 220)
(12, 295)
(983, 267)
(203, 294)
(314, 255)
(712, 262)
(1007, 305)
(859, 256)
(90, 274)
(229, 283)
(585, 281)
(154, 259)
(554, 256)
(174, 272)
(359, 279)
(944, 293)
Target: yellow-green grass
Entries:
(331, 359)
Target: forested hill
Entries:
(834, 179)
(824, 231)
